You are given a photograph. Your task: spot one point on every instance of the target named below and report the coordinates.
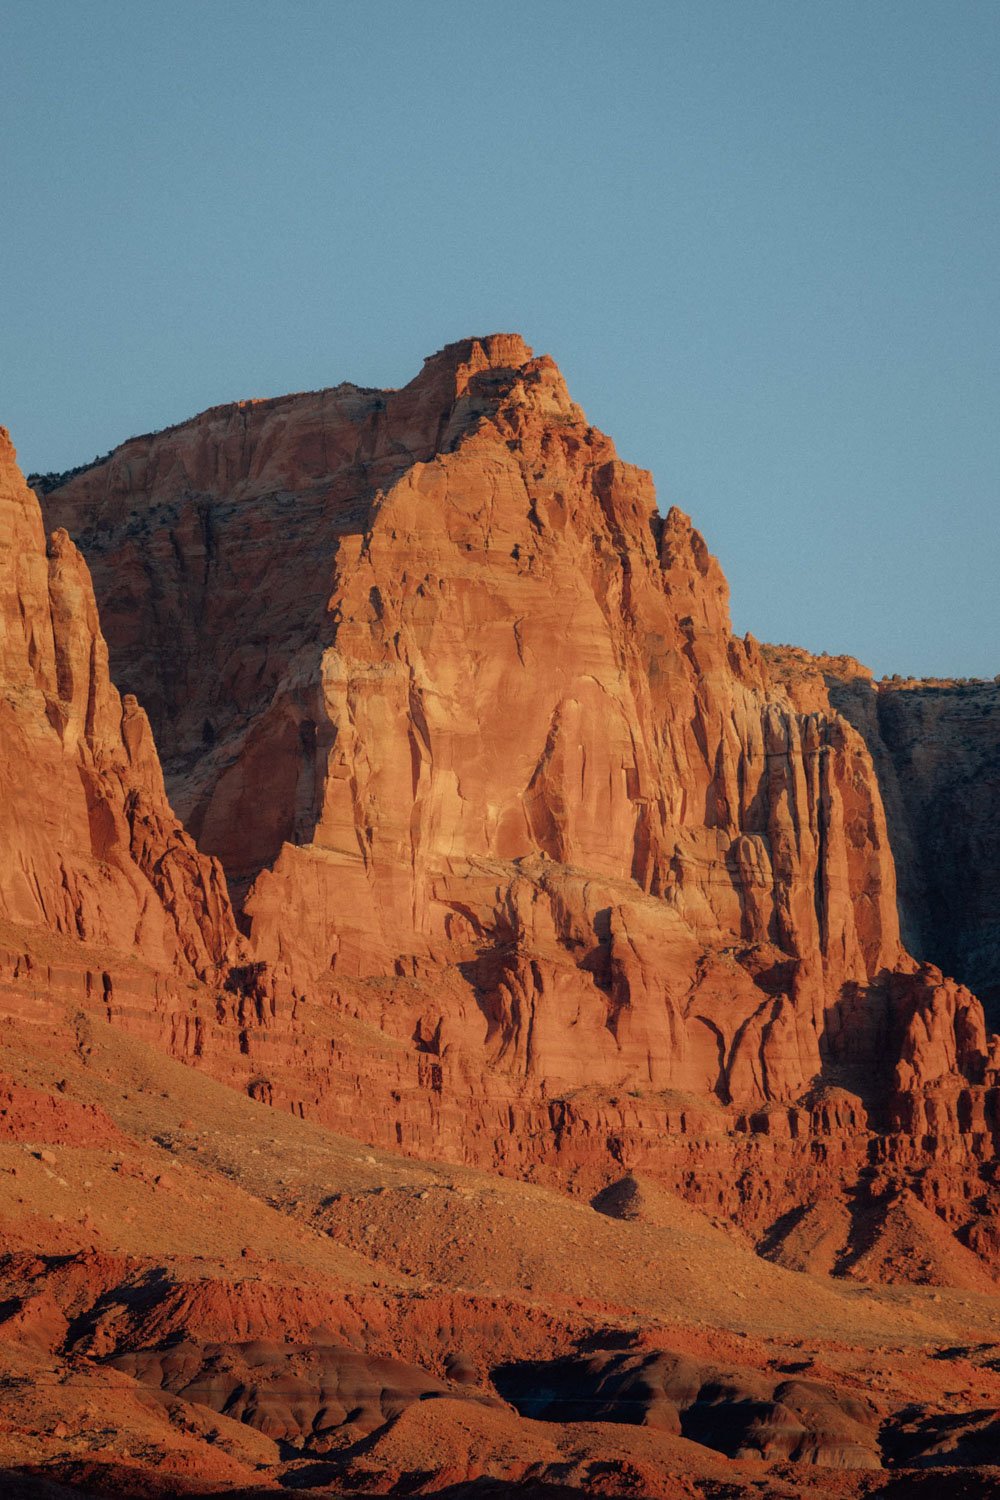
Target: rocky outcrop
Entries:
(90, 847)
(305, 1394)
(540, 868)
(478, 714)
(32, 1116)
(541, 871)
(935, 745)
(737, 1412)
(942, 742)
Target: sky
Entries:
(761, 238)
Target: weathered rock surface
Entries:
(456, 697)
(540, 867)
(201, 1295)
(540, 870)
(302, 1393)
(739, 1413)
(89, 847)
(936, 749)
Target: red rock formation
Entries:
(934, 744)
(31, 1115)
(489, 719)
(541, 868)
(90, 847)
(547, 873)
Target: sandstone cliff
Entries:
(463, 718)
(91, 849)
(541, 871)
(936, 749)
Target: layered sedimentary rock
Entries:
(189, 1308)
(935, 745)
(942, 741)
(90, 847)
(513, 660)
(463, 717)
(538, 869)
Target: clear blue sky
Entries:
(760, 238)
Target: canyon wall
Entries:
(496, 653)
(935, 744)
(537, 865)
(537, 869)
(90, 847)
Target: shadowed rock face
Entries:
(740, 1412)
(943, 744)
(297, 1393)
(936, 750)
